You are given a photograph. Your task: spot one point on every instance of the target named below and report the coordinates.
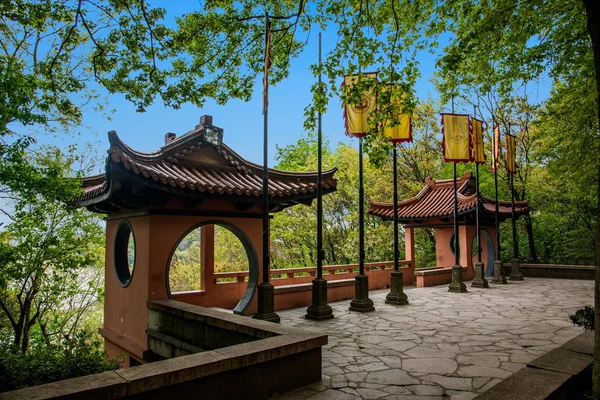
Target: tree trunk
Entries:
(529, 227)
(592, 8)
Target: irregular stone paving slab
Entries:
(442, 345)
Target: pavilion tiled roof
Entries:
(436, 200)
(199, 168)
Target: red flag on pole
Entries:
(496, 148)
(266, 69)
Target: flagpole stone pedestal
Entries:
(266, 304)
(457, 285)
(498, 273)
(319, 309)
(479, 281)
(361, 301)
(515, 270)
(396, 296)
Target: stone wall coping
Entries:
(555, 266)
(124, 382)
(220, 319)
(545, 376)
(436, 271)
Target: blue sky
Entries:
(242, 121)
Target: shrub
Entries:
(584, 317)
(75, 357)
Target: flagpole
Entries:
(266, 294)
(396, 295)
(457, 284)
(361, 301)
(515, 267)
(514, 222)
(479, 280)
(319, 309)
(498, 272)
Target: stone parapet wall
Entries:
(562, 373)
(277, 360)
(556, 271)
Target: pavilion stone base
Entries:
(498, 273)
(457, 285)
(266, 304)
(396, 295)
(319, 309)
(515, 270)
(479, 281)
(361, 301)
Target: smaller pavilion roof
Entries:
(436, 201)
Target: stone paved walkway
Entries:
(443, 345)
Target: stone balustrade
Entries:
(296, 273)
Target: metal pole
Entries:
(320, 255)
(396, 250)
(477, 201)
(496, 162)
(361, 211)
(456, 240)
(265, 199)
(514, 221)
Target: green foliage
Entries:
(584, 317)
(186, 265)
(78, 356)
(51, 256)
(293, 248)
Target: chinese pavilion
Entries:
(433, 207)
(154, 199)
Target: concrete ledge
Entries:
(554, 375)
(556, 271)
(107, 385)
(282, 360)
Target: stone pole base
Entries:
(319, 309)
(457, 284)
(498, 273)
(515, 270)
(396, 295)
(361, 301)
(479, 281)
(266, 304)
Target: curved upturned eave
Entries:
(180, 144)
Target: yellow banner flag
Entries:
(511, 153)
(402, 132)
(356, 116)
(478, 152)
(496, 148)
(456, 142)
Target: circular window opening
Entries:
(474, 246)
(124, 253)
(229, 257)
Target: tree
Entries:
(51, 256)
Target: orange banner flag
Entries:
(496, 148)
(456, 141)
(511, 153)
(478, 151)
(402, 131)
(356, 116)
